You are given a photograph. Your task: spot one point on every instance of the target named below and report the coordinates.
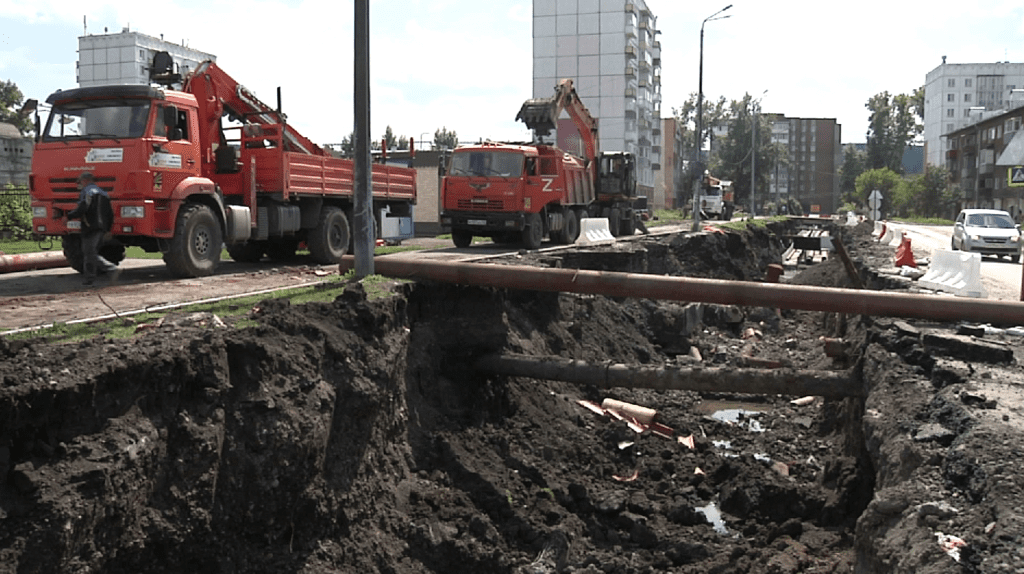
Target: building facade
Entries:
(952, 91)
(986, 162)
(126, 58)
(609, 48)
(15, 156)
(815, 155)
(670, 182)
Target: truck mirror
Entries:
(170, 117)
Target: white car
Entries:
(987, 231)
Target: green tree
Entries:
(389, 139)
(884, 180)
(714, 113)
(732, 157)
(403, 143)
(892, 126)
(854, 164)
(10, 104)
(931, 194)
(445, 139)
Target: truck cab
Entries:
(141, 144)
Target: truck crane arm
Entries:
(541, 115)
(210, 83)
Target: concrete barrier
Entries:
(878, 229)
(594, 230)
(954, 272)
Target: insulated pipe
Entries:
(744, 293)
(30, 261)
(832, 384)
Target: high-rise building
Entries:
(952, 92)
(815, 154)
(609, 48)
(126, 57)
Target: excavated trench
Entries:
(359, 436)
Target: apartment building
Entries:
(953, 92)
(610, 49)
(15, 156)
(815, 155)
(986, 161)
(126, 58)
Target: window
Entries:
(950, 113)
(967, 82)
(951, 83)
(967, 113)
(950, 97)
(967, 97)
(949, 128)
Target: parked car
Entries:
(987, 231)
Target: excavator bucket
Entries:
(539, 114)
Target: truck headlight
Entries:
(133, 212)
(38, 212)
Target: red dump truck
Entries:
(190, 171)
(526, 192)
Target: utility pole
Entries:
(362, 233)
(700, 119)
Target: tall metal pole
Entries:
(753, 157)
(753, 151)
(362, 232)
(699, 177)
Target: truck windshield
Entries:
(712, 191)
(487, 163)
(97, 119)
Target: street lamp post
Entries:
(753, 150)
(700, 118)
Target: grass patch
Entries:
(666, 217)
(925, 221)
(235, 311)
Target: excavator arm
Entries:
(221, 94)
(541, 116)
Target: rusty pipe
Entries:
(30, 261)
(796, 382)
(690, 289)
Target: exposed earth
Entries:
(361, 436)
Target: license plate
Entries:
(74, 224)
(477, 222)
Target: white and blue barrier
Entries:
(594, 230)
(954, 272)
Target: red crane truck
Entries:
(184, 183)
(525, 192)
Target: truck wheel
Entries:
(628, 227)
(614, 221)
(73, 252)
(329, 240)
(533, 233)
(570, 229)
(195, 247)
(246, 252)
(461, 238)
(282, 249)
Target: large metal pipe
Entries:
(743, 293)
(795, 382)
(30, 261)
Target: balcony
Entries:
(630, 51)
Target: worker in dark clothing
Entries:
(97, 217)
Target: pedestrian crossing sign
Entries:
(1015, 176)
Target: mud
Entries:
(357, 436)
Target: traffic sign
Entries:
(1015, 175)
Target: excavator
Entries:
(528, 191)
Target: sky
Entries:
(466, 65)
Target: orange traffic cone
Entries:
(904, 255)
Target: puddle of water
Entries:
(714, 517)
(732, 416)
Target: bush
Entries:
(15, 213)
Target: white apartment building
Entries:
(126, 57)
(609, 48)
(952, 90)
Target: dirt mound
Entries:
(362, 436)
